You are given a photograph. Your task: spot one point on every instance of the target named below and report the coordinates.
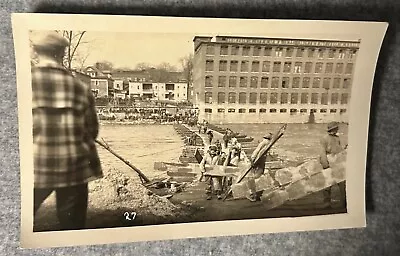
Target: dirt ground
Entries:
(119, 194)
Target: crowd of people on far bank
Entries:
(65, 128)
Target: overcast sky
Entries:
(129, 49)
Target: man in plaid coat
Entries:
(65, 127)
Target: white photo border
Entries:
(371, 35)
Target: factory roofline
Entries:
(277, 41)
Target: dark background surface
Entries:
(382, 235)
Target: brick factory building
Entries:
(269, 80)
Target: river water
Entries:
(143, 145)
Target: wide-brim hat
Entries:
(268, 136)
(332, 126)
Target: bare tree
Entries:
(75, 40)
(187, 67)
(143, 66)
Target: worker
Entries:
(257, 159)
(331, 146)
(211, 158)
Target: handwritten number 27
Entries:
(130, 216)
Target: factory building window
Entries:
(275, 82)
(333, 110)
(208, 81)
(329, 68)
(221, 110)
(344, 98)
(252, 110)
(234, 50)
(223, 65)
(255, 66)
(231, 110)
(232, 81)
(343, 111)
(221, 81)
(306, 82)
(232, 97)
(285, 82)
(331, 54)
(326, 83)
(294, 98)
(287, 68)
(352, 54)
(336, 82)
(253, 98)
(283, 110)
(210, 50)
(334, 98)
(284, 98)
(297, 67)
(278, 52)
(208, 97)
(339, 68)
(346, 83)
(311, 52)
(221, 97)
(209, 65)
(266, 66)
(296, 82)
(323, 110)
(303, 110)
(263, 97)
(324, 98)
(267, 51)
(316, 82)
(234, 66)
(307, 67)
(263, 110)
(246, 50)
(318, 67)
(256, 51)
(243, 81)
(314, 98)
(244, 67)
(293, 111)
(264, 82)
(277, 67)
(341, 54)
(299, 52)
(253, 82)
(273, 98)
(208, 110)
(242, 110)
(272, 110)
(349, 68)
(289, 52)
(224, 50)
(242, 98)
(321, 53)
(304, 98)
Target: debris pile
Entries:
(118, 189)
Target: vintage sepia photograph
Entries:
(161, 125)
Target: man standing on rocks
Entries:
(258, 167)
(65, 126)
(331, 146)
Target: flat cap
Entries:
(48, 40)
